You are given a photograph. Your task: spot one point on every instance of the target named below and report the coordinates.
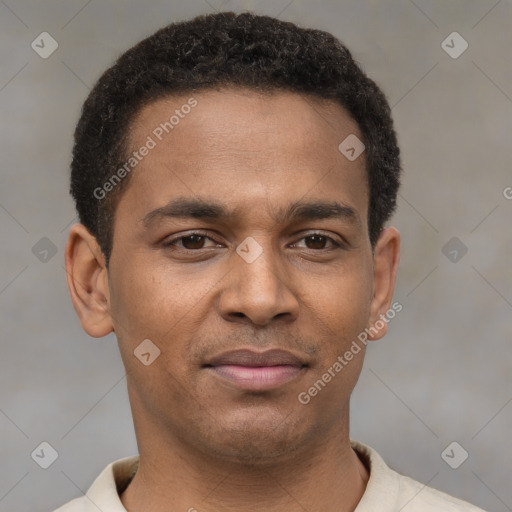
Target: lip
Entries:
(257, 371)
(246, 357)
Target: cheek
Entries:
(342, 300)
(341, 309)
(157, 302)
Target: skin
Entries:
(205, 444)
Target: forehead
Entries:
(229, 116)
(241, 146)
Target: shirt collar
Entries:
(381, 490)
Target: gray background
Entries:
(444, 371)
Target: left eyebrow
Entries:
(318, 210)
(299, 210)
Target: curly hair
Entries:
(226, 49)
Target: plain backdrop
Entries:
(443, 373)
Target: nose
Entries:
(258, 292)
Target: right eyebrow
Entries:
(185, 208)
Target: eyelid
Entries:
(173, 240)
(336, 244)
(331, 239)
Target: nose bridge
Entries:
(257, 284)
(256, 261)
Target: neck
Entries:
(325, 475)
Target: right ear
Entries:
(87, 278)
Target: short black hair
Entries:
(226, 49)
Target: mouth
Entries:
(257, 371)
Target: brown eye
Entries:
(316, 242)
(193, 241)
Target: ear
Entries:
(385, 267)
(87, 278)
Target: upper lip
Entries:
(245, 357)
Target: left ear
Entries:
(385, 267)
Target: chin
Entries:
(255, 440)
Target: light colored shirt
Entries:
(386, 490)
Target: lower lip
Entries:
(257, 378)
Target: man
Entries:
(233, 176)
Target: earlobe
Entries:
(386, 260)
(87, 280)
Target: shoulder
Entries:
(104, 492)
(418, 497)
(389, 491)
(76, 505)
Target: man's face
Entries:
(308, 292)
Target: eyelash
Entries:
(172, 242)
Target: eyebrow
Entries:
(184, 208)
